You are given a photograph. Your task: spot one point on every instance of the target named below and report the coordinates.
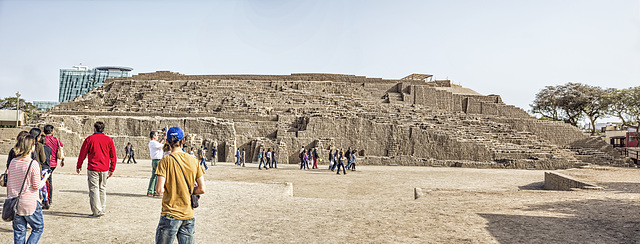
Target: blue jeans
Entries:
(203, 162)
(169, 228)
(20, 226)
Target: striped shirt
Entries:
(15, 175)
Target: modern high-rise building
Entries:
(80, 80)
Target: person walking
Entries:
(315, 156)
(237, 156)
(330, 158)
(261, 159)
(274, 159)
(268, 157)
(126, 153)
(352, 160)
(301, 156)
(132, 154)
(24, 181)
(179, 176)
(243, 157)
(57, 153)
(155, 151)
(305, 160)
(101, 154)
(214, 156)
(40, 155)
(201, 159)
(341, 164)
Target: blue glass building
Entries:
(80, 80)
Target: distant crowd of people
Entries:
(336, 159)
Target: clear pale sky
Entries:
(510, 48)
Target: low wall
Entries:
(560, 182)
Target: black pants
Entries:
(343, 169)
(132, 157)
(50, 182)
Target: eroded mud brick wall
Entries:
(73, 129)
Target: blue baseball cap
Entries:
(175, 131)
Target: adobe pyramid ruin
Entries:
(410, 121)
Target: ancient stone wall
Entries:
(73, 129)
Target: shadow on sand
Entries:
(108, 193)
(64, 214)
(584, 221)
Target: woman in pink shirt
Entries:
(29, 210)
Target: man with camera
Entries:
(179, 177)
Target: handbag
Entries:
(60, 152)
(10, 207)
(194, 198)
(3, 179)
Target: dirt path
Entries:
(374, 204)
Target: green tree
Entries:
(618, 104)
(29, 109)
(625, 104)
(595, 103)
(571, 101)
(546, 103)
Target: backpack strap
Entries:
(185, 176)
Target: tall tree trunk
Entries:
(593, 124)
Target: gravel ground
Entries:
(372, 205)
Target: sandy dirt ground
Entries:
(372, 205)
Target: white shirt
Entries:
(155, 149)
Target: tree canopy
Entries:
(573, 101)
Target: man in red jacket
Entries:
(102, 160)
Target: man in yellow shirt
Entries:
(179, 175)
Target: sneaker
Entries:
(150, 194)
(94, 216)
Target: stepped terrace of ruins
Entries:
(409, 121)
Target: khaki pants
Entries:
(97, 191)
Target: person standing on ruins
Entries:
(179, 176)
(57, 153)
(155, 150)
(101, 154)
